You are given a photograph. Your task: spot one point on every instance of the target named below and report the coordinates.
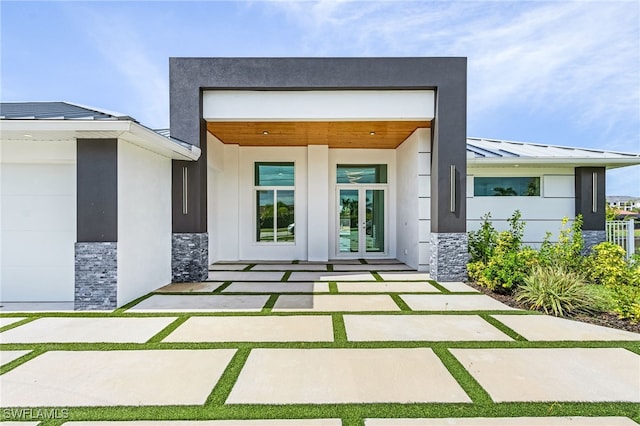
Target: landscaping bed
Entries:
(605, 319)
(597, 284)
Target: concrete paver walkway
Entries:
(105, 378)
(285, 334)
(558, 374)
(335, 376)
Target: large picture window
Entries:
(274, 192)
(506, 186)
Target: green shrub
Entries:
(627, 301)
(509, 262)
(559, 292)
(483, 242)
(474, 270)
(567, 252)
(507, 269)
(607, 265)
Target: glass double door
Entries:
(361, 221)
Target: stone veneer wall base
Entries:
(449, 256)
(592, 238)
(189, 257)
(96, 276)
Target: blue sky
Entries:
(565, 73)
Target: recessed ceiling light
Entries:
(372, 133)
(265, 132)
(27, 135)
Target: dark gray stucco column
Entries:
(591, 204)
(96, 265)
(189, 77)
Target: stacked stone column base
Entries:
(189, 257)
(96, 276)
(449, 256)
(592, 238)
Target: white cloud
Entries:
(546, 57)
(119, 42)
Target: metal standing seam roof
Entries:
(478, 148)
(56, 111)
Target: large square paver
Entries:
(245, 276)
(453, 302)
(335, 303)
(335, 376)
(380, 267)
(290, 267)
(205, 287)
(362, 328)
(8, 356)
(20, 423)
(86, 330)
(5, 321)
(558, 374)
(104, 378)
(277, 287)
(253, 422)
(387, 287)
(228, 266)
(506, 421)
(457, 287)
(331, 276)
(309, 328)
(210, 303)
(404, 276)
(547, 328)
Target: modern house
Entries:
(308, 159)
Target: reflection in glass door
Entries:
(361, 221)
(348, 225)
(374, 224)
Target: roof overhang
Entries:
(609, 163)
(338, 118)
(126, 130)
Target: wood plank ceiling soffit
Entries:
(335, 134)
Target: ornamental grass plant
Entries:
(557, 291)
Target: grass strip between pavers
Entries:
(440, 287)
(21, 360)
(400, 302)
(329, 267)
(18, 323)
(221, 287)
(268, 306)
(229, 377)
(502, 327)
(286, 276)
(133, 303)
(376, 276)
(333, 287)
(468, 383)
(339, 343)
(248, 267)
(339, 329)
(351, 414)
(168, 329)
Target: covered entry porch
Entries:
(316, 160)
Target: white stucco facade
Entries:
(232, 209)
(309, 105)
(542, 214)
(144, 221)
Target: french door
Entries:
(361, 221)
